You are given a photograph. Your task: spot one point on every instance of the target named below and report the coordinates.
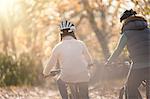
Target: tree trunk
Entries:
(5, 40)
(12, 40)
(99, 34)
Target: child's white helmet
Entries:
(67, 25)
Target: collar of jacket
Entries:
(68, 38)
(134, 18)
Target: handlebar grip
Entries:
(54, 72)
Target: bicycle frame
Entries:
(146, 84)
(72, 90)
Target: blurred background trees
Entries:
(29, 29)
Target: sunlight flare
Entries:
(5, 5)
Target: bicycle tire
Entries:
(123, 93)
(73, 89)
(148, 89)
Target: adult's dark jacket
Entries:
(138, 40)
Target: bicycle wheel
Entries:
(148, 89)
(123, 93)
(73, 91)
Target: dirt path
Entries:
(41, 93)
(27, 93)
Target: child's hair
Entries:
(127, 14)
(67, 34)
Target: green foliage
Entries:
(21, 71)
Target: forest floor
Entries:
(44, 93)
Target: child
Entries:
(74, 59)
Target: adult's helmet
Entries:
(127, 14)
(66, 25)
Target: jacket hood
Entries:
(135, 23)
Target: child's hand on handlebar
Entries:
(55, 72)
(107, 63)
(52, 73)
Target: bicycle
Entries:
(72, 88)
(146, 84)
(123, 91)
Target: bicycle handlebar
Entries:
(119, 63)
(55, 72)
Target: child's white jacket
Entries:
(73, 58)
